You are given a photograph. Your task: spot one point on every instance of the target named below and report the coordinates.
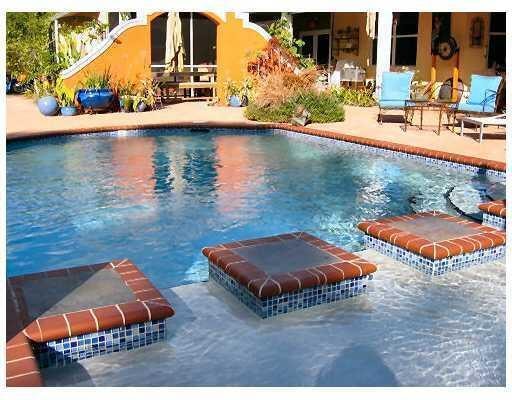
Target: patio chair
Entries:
(482, 97)
(395, 91)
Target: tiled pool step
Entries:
(75, 313)
(494, 214)
(433, 242)
(284, 273)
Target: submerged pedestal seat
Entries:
(433, 242)
(495, 214)
(76, 313)
(279, 274)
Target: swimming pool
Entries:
(159, 196)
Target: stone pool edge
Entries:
(380, 144)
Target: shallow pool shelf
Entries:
(494, 214)
(434, 243)
(284, 273)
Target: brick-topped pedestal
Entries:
(284, 273)
(495, 214)
(434, 242)
(75, 313)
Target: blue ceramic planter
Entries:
(48, 105)
(234, 101)
(95, 99)
(68, 111)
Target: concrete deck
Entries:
(408, 330)
(23, 119)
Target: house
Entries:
(402, 40)
(134, 44)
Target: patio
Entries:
(24, 120)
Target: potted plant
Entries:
(96, 94)
(151, 91)
(233, 91)
(124, 91)
(139, 103)
(66, 99)
(44, 93)
(126, 103)
(245, 90)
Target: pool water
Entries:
(157, 197)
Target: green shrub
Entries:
(95, 80)
(323, 107)
(353, 97)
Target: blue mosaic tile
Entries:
(375, 150)
(494, 221)
(292, 301)
(58, 353)
(434, 267)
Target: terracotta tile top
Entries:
(74, 301)
(21, 364)
(284, 263)
(497, 208)
(433, 234)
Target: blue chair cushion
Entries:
(483, 92)
(396, 86)
(394, 104)
(472, 107)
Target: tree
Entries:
(282, 31)
(29, 51)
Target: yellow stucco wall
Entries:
(472, 60)
(129, 57)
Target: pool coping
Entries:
(497, 208)
(264, 284)
(382, 144)
(484, 237)
(148, 304)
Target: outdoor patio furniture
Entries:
(284, 273)
(433, 242)
(394, 91)
(440, 106)
(482, 97)
(496, 120)
(187, 80)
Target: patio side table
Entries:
(442, 106)
(410, 106)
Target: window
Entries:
(497, 46)
(199, 36)
(114, 18)
(404, 39)
(317, 45)
(374, 41)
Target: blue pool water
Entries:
(157, 197)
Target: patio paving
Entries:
(384, 338)
(23, 119)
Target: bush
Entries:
(353, 97)
(323, 107)
(280, 86)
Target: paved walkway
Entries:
(409, 330)
(23, 119)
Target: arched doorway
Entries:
(193, 67)
(199, 36)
